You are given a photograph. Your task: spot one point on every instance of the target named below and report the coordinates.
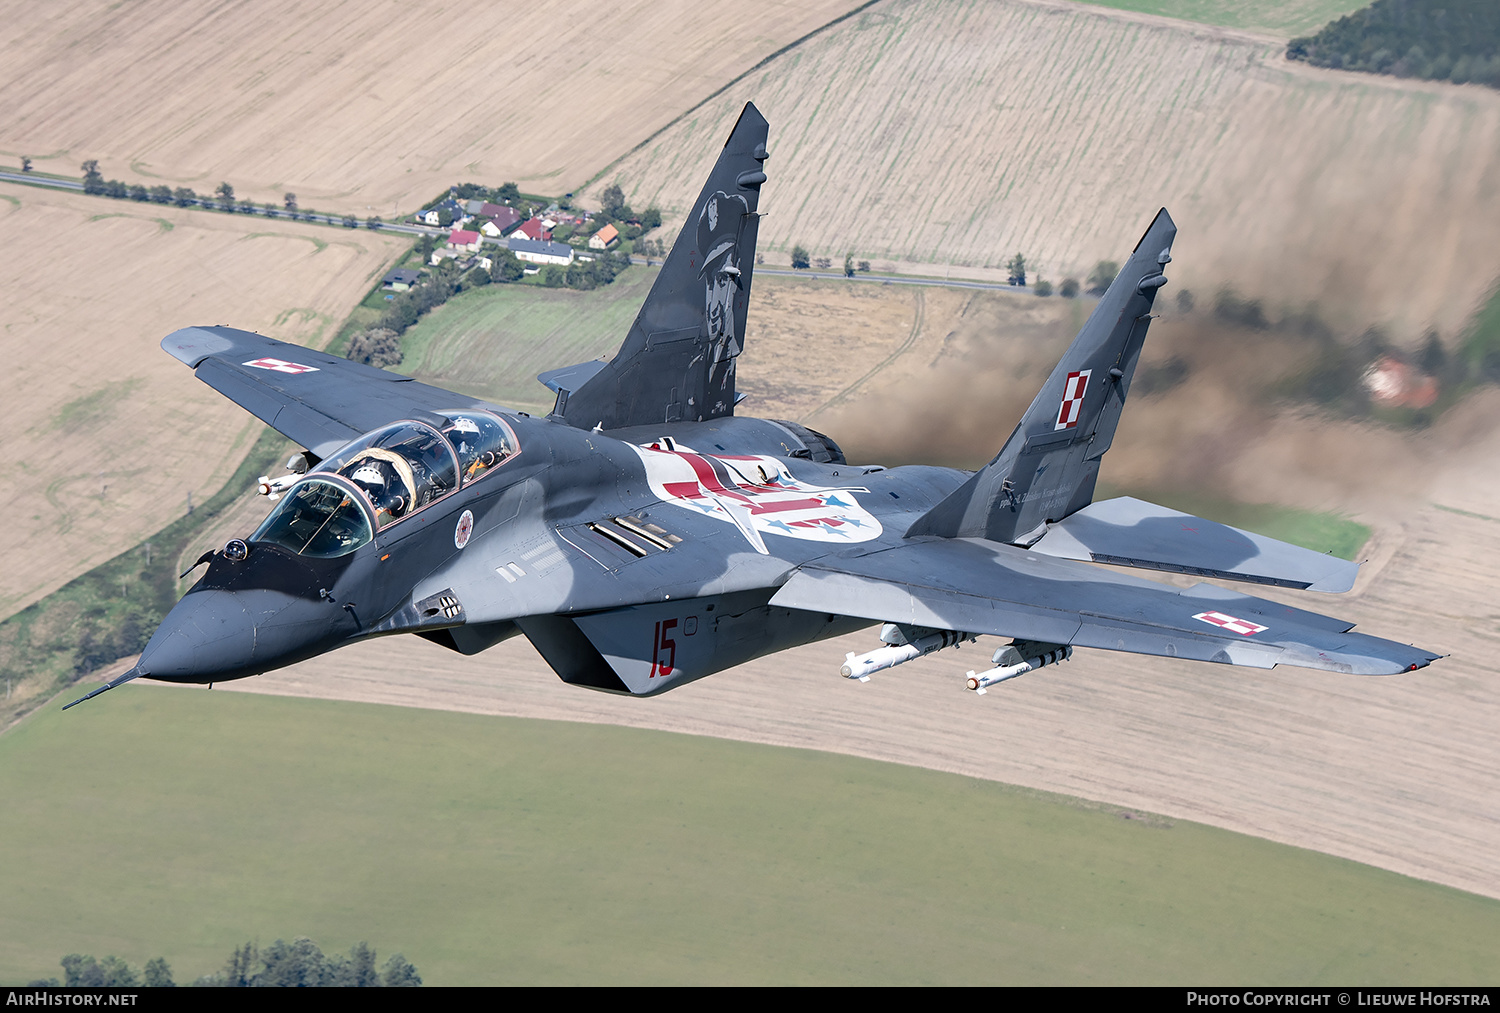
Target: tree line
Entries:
(222, 199)
(614, 211)
(298, 964)
(1099, 278)
(1436, 40)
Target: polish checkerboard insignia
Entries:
(281, 366)
(1242, 626)
(1072, 402)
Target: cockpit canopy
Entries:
(318, 519)
(481, 440)
(398, 469)
(401, 468)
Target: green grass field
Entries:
(493, 341)
(184, 822)
(1281, 17)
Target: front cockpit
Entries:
(300, 586)
(317, 518)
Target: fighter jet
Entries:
(642, 535)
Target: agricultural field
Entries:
(503, 851)
(806, 340)
(105, 433)
(371, 110)
(492, 342)
(940, 137)
(1278, 17)
(933, 139)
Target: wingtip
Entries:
(1427, 658)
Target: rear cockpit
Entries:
(383, 477)
(482, 441)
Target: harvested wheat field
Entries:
(104, 433)
(939, 136)
(364, 108)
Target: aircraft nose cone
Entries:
(212, 636)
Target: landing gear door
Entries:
(655, 647)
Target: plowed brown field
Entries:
(104, 434)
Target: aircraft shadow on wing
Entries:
(642, 535)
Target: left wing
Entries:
(319, 400)
(986, 587)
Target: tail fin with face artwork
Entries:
(677, 362)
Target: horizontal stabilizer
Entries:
(1131, 532)
(564, 381)
(571, 377)
(987, 587)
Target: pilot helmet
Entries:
(369, 474)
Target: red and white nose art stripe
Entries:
(1072, 403)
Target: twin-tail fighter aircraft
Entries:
(642, 535)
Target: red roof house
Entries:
(463, 239)
(533, 229)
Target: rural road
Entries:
(32, 179)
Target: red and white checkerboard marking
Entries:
(1241, 626)
(1072, 403)
(281, 366)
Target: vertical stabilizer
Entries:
(1048, 467)
(677, 363)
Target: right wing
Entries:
(985, 587)
(319, 400)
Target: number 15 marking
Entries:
(665, 643)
